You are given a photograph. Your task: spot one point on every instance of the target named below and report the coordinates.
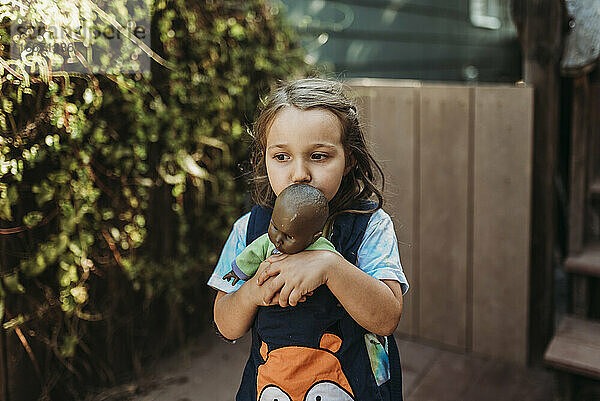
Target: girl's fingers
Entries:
(303, 298)
(295, 297)
(271, 289)
(268, 299)
(268, 271)
(284, 296)
(273, 301)
(278, 256)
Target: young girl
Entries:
(321, 323)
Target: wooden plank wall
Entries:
(458, 163)
(397, 156)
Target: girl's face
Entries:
(305, 146)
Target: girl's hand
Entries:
(262, 295)
(295, 276)
(267, 295)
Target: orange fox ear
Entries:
(264, 350)
(331, 342)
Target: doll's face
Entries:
(292, 229)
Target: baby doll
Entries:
(299, 214)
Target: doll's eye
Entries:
(319, 156)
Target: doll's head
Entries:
(298, 218)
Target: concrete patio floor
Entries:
(210, 369)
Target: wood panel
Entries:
(458, 166)
(501, 221)
(391, 130)
(443, 153)
(540, 26)
(578, 163)
(593, 124)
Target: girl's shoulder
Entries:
(378, 217)
(241, 224)
(379, 220)
(378, 253)
(239, 230)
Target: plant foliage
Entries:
(117, 189)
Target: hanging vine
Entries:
(119, 179)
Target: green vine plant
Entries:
(119, 180)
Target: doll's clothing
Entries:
(247, 262)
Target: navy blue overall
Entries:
(304, 325)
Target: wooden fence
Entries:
(458, 162)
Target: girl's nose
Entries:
(300, 173)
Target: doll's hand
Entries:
(233, 276)
(296, 276)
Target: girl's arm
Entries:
(374, 304)
(233, 316)
(234, 312)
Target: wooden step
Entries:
(587, 262)
(575, 347)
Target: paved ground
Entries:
(211, 370)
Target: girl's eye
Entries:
(281, 157)
(318, 156)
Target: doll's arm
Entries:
(247, 262)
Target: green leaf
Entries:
(67, 274)
(5, 209)
(67, 303)
(12, 323)
(12, 284)
(67, 350)
(75, 249)
(189, 165)
(44, 193)
(31, 219)
(80, 294)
